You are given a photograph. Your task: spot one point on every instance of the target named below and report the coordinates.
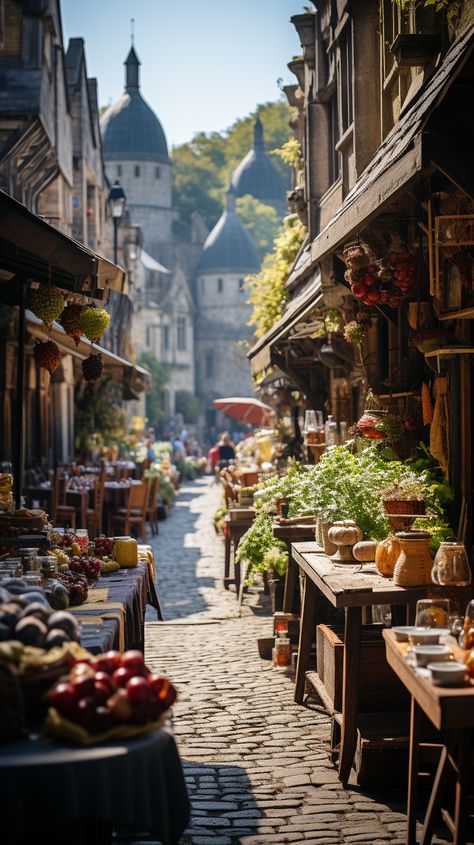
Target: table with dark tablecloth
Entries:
(128, 593)
(48, 788)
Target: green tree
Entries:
(154, 400)
(268, 293)
(202, 167)
(260, 220)
(187, 405)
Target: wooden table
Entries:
(78, 499)
(299, 533)
(237, 522)
(351, 587)
(450, 709)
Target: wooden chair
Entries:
(136, 511)
(152, 510)
(96, 513)
(61, 513)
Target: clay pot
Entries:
(414, 563)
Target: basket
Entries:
(57, 726)
(404, 507)
(414, 563)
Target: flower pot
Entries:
(404, 507)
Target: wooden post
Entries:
(20, 398)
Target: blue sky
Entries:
(204, 62)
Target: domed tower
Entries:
(228, 255)
(257, 175)
(136, 153)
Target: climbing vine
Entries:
(451, 7)
(267, 289)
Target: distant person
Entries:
(226, 450)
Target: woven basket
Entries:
(414, 563)
(403, 506)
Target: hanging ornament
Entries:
(47, 303)
(94, 322)
(92, 368)
(47, 355)
(71, 320)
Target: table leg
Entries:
(462, 784)
(350, 690)
(290, 583)
(227, 578)
(413, 768)
(434, 804)
(307, 624)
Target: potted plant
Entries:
(275, 561)
(405, 496)
(246, 496)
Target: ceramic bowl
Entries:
(426, 636)
(431, 653)
(448, 674)
(402, 632)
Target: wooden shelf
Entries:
(450, 350)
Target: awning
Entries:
(150, 263)
(309, 297)
(118, 368)
(30, 246)
(399, 159)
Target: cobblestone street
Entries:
(256, 764)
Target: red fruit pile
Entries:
(380, 281)
(85, 565)
(366, 427)
(112, 689)
(103, 546)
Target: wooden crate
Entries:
(379, 690)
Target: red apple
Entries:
(104, 678)
(83, 684)
(108, 662)
(64, 697)
(138, 690)
(156, 684)
(135, 660)
(373, 296)
(122, 675)
(85, 710)
(120, 706)
(359, 290)
(102, 692)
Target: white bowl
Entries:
(430, 653)
(426, 636)
(448, 674)
(402, 632)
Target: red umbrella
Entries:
(245, 409)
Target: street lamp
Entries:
(116, 199)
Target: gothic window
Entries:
(345, 78)
(137, 170)
(166, 337)
(181, 331)
(219, 286)
(209, 364)
(241, 284)
(157, 172)
(119, 169)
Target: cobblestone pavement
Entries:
(256, 764)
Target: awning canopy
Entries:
(308, 298)
(118, 368)
(31, 247)
(150, 263)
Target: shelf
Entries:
(450, 350)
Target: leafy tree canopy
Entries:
(261, 221)
(154, 400)
(187, 405)
(202, 167)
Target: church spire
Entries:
(258, 135)
(132, 70)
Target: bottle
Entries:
(331, 431)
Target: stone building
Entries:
(228, 255)
(257, 175)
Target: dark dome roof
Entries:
(257, 175)
(130, 128)
(229, 248)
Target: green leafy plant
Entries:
(267, 290)
(409, 486)
(255, 544)
(290, 152)
(451, 7)
(276, 558)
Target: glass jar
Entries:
(451, 566)
(331, 435)
(49, 566)
(30, 559)
(433, 613)
(82, 539)
(6, 486)
(282, 652)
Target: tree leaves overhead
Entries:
(203, 167)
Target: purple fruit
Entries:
(31, 631)
(56, 637)
(66, 622)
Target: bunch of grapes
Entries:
(103, 546)
(76, 586)
(87, 566)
